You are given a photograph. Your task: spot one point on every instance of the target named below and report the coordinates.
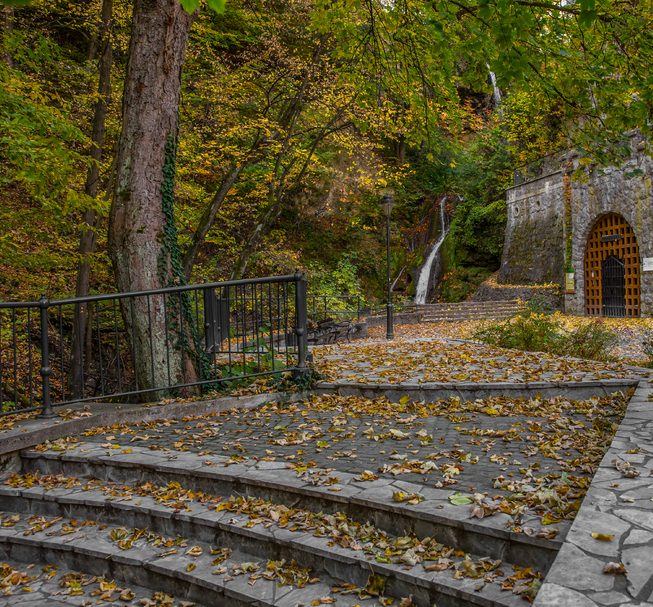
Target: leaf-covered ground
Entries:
(530, 459)
(630, 332)
(441, 360)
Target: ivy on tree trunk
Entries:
(137, 222)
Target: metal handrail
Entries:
(228, 316)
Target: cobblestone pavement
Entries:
(52, 586)
(500, 447)
(429, 360)
(607, 558)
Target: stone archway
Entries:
(612, 281)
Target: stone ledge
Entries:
(432, 392)
(30, 432)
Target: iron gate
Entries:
(613, 286)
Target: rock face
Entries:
(534, 251)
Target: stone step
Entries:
(202, 527)
(41, 584)
(93, 551)
(464, 305)
(435, 517)
(465, 317)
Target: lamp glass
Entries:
(387, 204)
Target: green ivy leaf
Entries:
(217, 5)
(190, 6)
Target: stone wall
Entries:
(534, 248)
(549, 296)
(612, 191)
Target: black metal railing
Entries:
(166, 341)
(346, 307)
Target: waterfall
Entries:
(496, 93)
(424, 279)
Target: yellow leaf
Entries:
(602, 537)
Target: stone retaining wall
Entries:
(550, 295)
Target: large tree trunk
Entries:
(88, 238)
(137, 227)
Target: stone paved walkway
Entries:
(531, 474)
(495, 447)
(446, 360)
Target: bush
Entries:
(527, 331)
(533, 332)
(589, 341)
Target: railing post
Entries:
(46, 371)
(301, 330)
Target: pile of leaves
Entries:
(440, 361)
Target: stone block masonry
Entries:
(534, 250)
(537, 238)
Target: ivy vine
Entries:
(568, 215)
(171, 272)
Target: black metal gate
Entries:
(613, 286)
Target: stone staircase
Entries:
(217, 534)
(470, 310)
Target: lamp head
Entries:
(387, 204)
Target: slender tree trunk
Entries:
(91, 221)
(137, 225)
(261, 230)
(207, 219)
(401, 151)
(8, 26)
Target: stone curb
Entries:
(367, 501)
(30, 432)
(618, 506)
(432, 392)
(339, 564)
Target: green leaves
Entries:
(15, 2)
(191, 6)
(588, 13)
(459, 499)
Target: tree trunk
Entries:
(91, 221)
(401, 151)
(8, 26)
(207, 219)
(137, 225)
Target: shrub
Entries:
(527, 331)
(534, 332)
(592, 340)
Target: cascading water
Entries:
(422, 290)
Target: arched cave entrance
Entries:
(612, 269)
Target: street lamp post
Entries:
(387, 204)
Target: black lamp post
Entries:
(386, 205)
